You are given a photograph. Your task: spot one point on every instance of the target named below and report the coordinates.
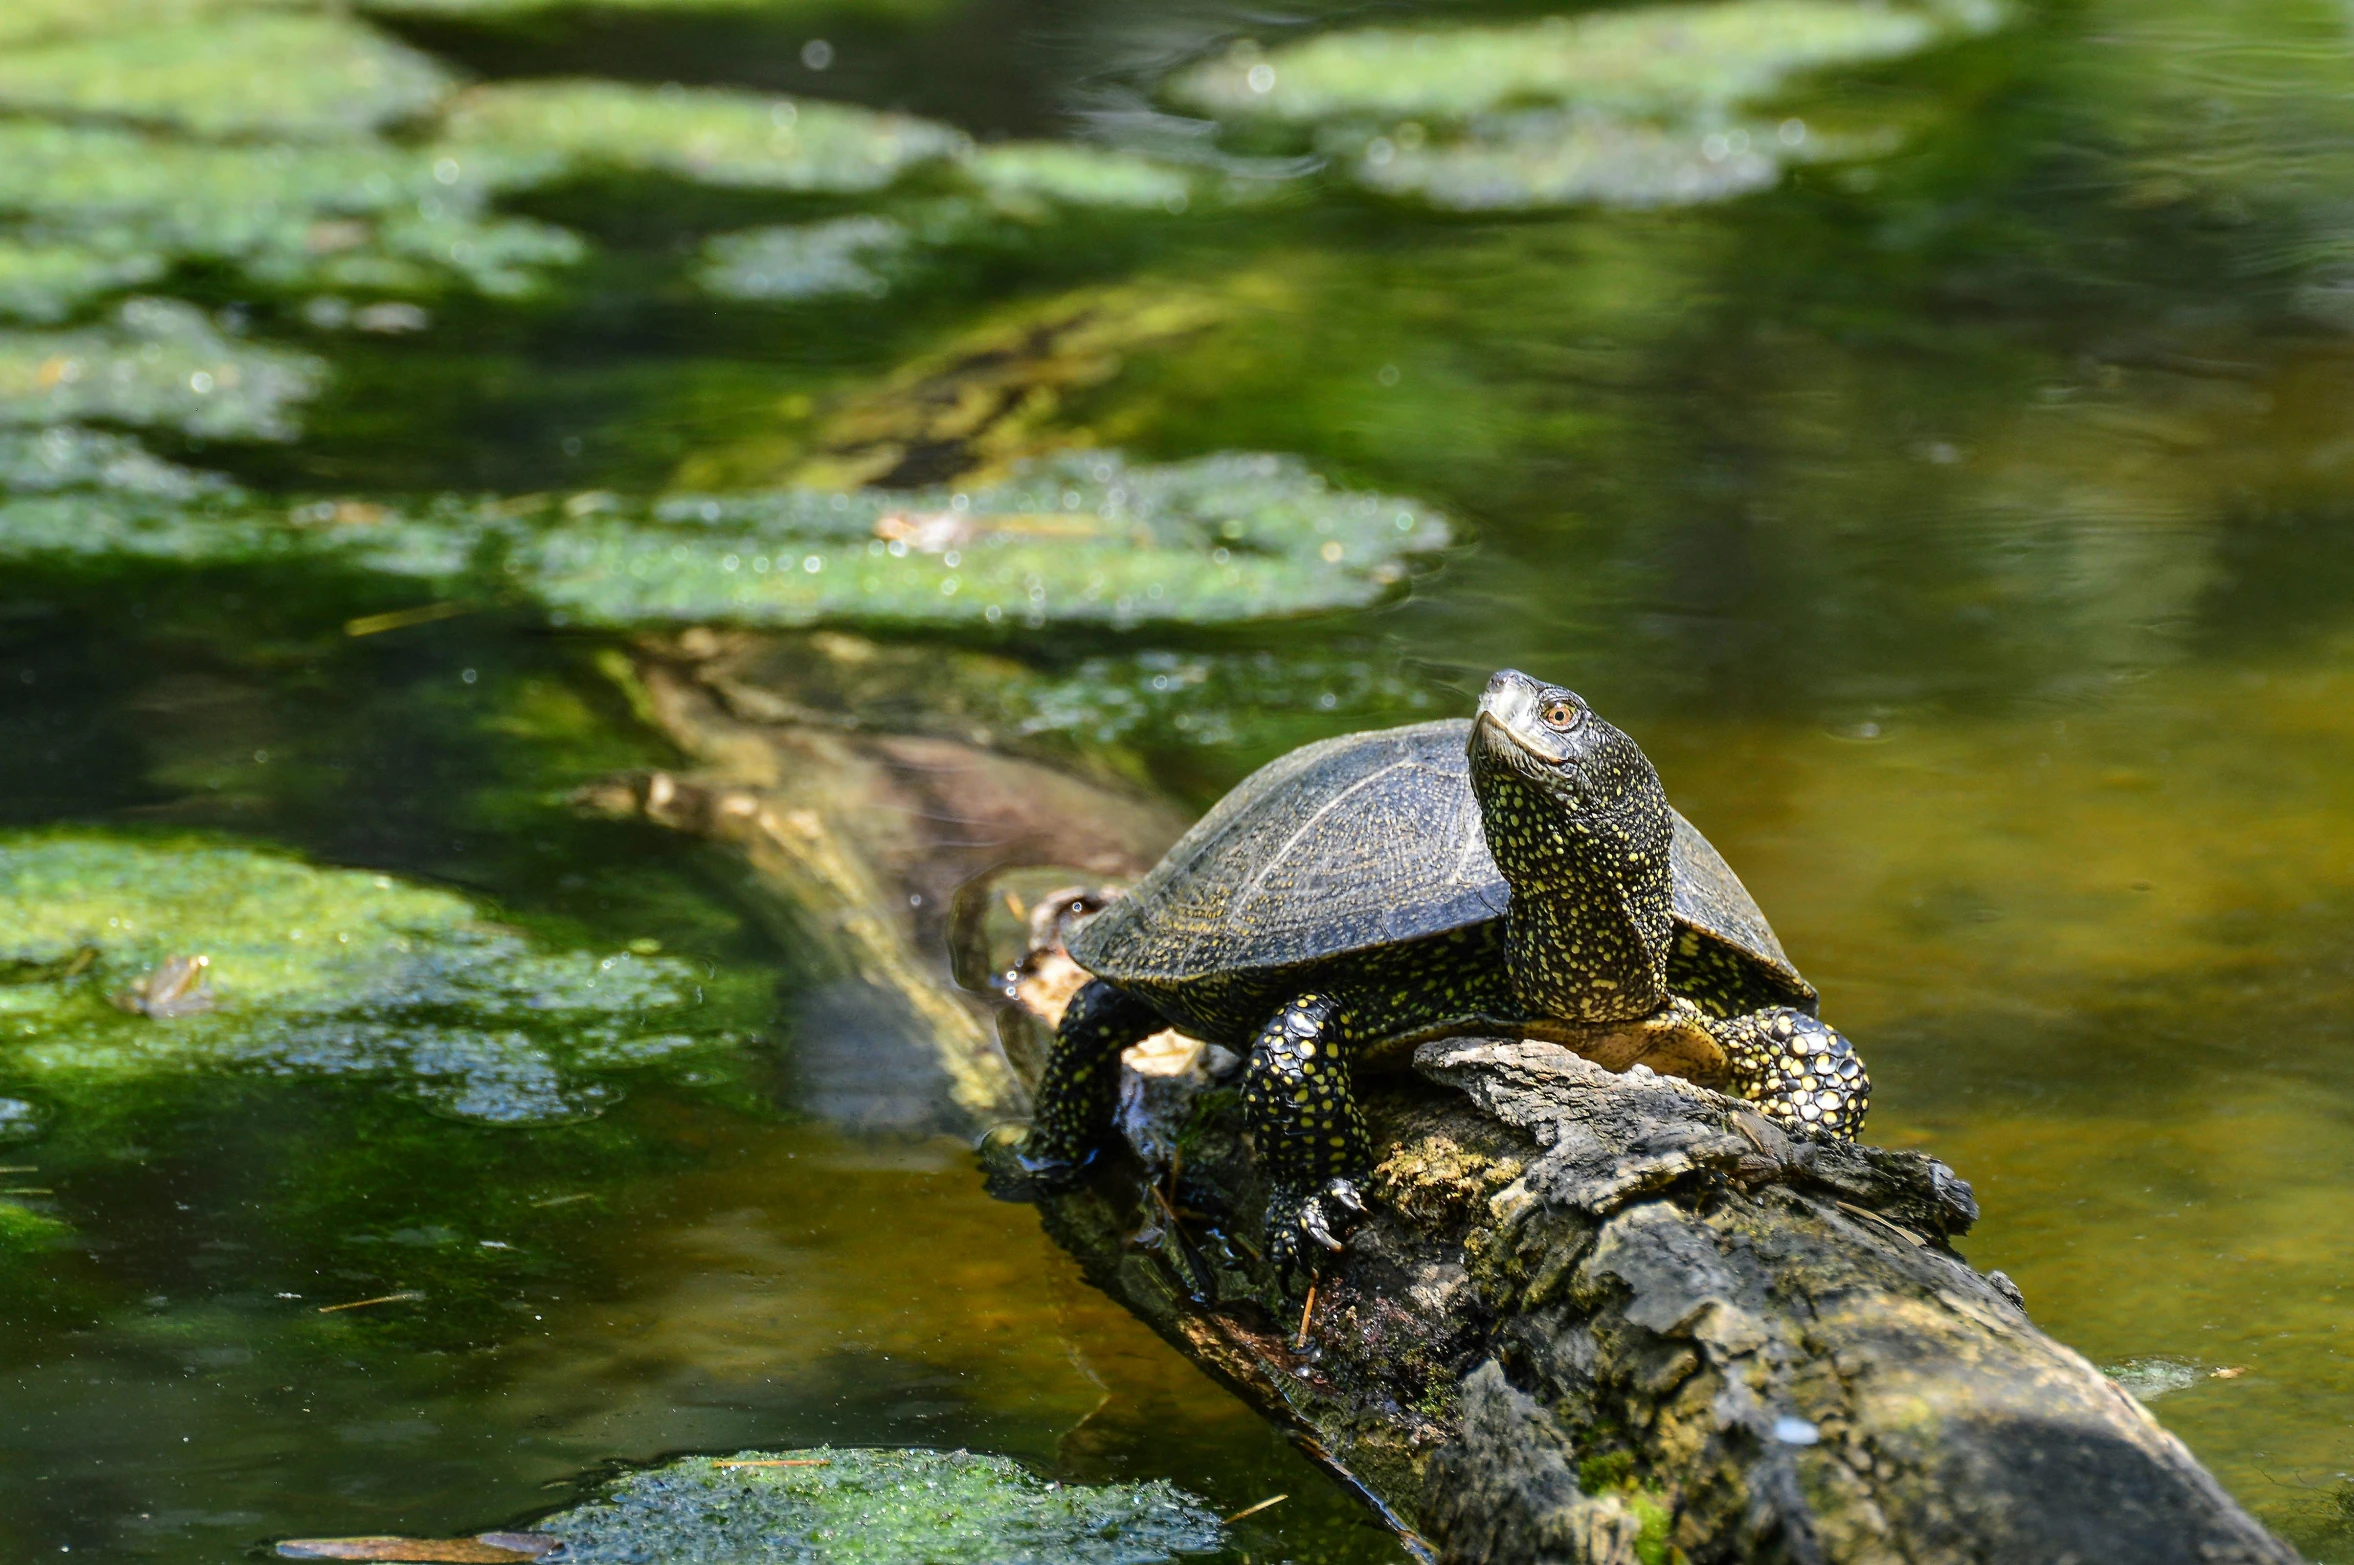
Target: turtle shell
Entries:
(1355, 843)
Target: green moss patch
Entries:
(864, 1507)
(317, 972)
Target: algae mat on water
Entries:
(1083, 538)
(1088, 538)
(868, 1507)
(1648, 106)
(321, 973)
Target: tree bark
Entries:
(1592, 1318)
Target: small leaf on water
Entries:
(491, 1548)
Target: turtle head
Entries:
(1577, 821)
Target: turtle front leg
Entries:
(1311, 1135)
(1073, 1114)
(1797, 1069)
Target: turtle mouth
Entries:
(1508, 714)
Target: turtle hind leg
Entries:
(1073, 1115)
(1311, 1134)
(1798, 1070)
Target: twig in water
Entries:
(817, 1461)
(401, 619)
(1307, 1312)
(361, 1304)
(1253, 1510)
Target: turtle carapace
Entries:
(1520, 875)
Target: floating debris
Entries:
(408, 1296)
(490, 1548)
(869, 1507)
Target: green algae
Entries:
(1566, 159)
(1068, 175)
(161, 364)
(331, 214)
(710, 136)
(1257, 703)
(1015, 188)
(22, 1228)
(1082, 538)
(841, 257)
(46, 282)
(40, 22)
(1645, 62)
(878, 1507)
(1639, 107)
(318, 972)
(240, 74)
(878, 10)
(1086, 538)
(64, 457)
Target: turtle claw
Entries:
(1312, 1224)
(1324, 1219)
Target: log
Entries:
(1594, 1318)
(1618, 1318)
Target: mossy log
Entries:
(1593, 1318)
(1620, 1318)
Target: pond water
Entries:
(1960, 513)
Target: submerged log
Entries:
(1595, 1318)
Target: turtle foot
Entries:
(1019, 1167)
(1303, 1232)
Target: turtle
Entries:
(1520, 873)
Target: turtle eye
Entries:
(1559, 715)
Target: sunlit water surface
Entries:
(1966, 534)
